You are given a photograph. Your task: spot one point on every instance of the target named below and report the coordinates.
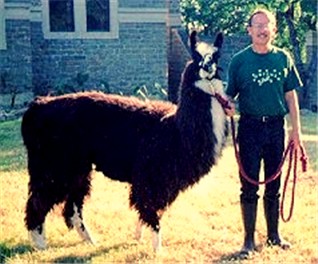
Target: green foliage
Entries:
(6, 87)
(212, 16)
(42, 89)
(81, 78)
(230, 16)
(157, 93)
(104, 86)
(73, 85)
(7, 251)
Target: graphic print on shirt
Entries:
(266, 75)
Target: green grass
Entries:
(309, 124)
(12, 154)
(202, 226)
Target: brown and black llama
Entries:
(159, 148)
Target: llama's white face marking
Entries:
(38, 238)
(208, 64)
(80, 227)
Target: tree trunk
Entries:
(303, 72)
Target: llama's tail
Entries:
(28, 125)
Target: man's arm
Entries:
(293, 106)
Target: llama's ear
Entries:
(218, 40)
(193, 40)
(193, 44)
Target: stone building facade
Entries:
(132, 53)
(143, 46)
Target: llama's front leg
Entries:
(156, 240)
(156, 235)
(151, 218)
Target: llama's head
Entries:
(205, 56)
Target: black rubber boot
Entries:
(249, 212)
(271, 209)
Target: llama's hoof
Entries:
(84, 234)
(38, 240)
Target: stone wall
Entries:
(137, 58)
(178, 56)
(15, 60)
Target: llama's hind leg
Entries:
(73, 210)
(38, 205)
(75, 220)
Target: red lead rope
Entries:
(292, 155)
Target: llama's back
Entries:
(91, 128)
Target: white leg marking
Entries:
(139, 230)
(156, 241)
(80, 227)
(38, 239)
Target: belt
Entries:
(263, 119)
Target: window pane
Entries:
(97, 15)
(61, 15)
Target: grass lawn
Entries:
(202, 226)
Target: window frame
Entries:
(3, 41)
(80, 23)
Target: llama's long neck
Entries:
(201, 122)
(194, 120)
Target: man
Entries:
(263, 78)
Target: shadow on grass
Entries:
(88, 258)
(238, 256)
(7, 251)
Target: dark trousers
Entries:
(260, 141)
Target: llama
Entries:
(159, 148)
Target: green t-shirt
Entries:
(260, 81)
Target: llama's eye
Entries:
(208, 58)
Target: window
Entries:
(97, 15)
(3, 44)
(80, 18)
(61, 15)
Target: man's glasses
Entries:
(262, 26)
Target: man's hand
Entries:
(231, 110)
